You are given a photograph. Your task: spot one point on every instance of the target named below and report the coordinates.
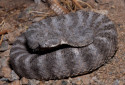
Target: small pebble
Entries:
(104, 12)
(33, 82)
(1, 82)
(64, 82)
(12, 36)
(6, 71)
(1, 74)
(24, 81)
(4, 46)
(116, 82)
(5, 53)
(86, 79)
(77, 81)
(37, 19)
(37, 1)
(14, 76)
(41, 83)
(17, 82)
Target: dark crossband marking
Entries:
(68, 20)
(54, 22)
(27, 62)
(42, 69)
(110, 31)
(98, 20)
(105, 24)
(16, 60)
(89, 19)
(60, 64)
(80, 19)
(55, 25)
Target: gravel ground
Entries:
(16, 19)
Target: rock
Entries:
(6, 53)
(4, 38)
(116, 82)
(9, 74)
(33, 82)
(77, 81)
(1, 74)
(4, 79)
(122, 82)
(24, 81)
(4, 46)
(64, 83)
(17, 82)
(53, 82)
(37, 19)
(37, 1)
(12, 36)
(6, 72)
(4, 62)
(14, 76)
(57, 82)
(104, 12)
(1, 82)
(86, 79)
(41, 83)
(94, 78)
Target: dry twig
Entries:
(73, 5)
(2, 32)
(76, 2)
(85, 3)
(1, 39)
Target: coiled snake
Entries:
(64, 46)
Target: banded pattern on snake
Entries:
(64, 46)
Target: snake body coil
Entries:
(64, 46)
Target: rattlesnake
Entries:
(64, 46)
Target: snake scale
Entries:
(64, 46)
